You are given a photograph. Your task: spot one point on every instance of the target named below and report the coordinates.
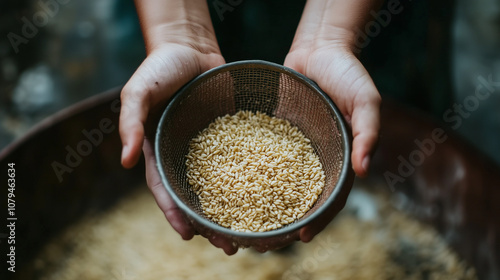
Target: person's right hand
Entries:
(163, 72)
(166, 68)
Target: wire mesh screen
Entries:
(262, 88)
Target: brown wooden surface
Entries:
(456, 188)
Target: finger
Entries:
(365, 129)
(172, 212)
(308, 232)
(223, 243)
(154, 82)
(133, 114)
(260, 249)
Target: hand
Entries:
(322, 50)
(164, 71)
(340, 74)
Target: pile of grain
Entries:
(133, 241)
(253, 172)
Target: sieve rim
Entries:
(341, 124)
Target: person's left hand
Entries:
(335, 68)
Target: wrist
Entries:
(325, 37)
(186, 33)
(333, 23)
(184, 22)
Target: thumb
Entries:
(133, 115)
(154, 82)
(365, 129)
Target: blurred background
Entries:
(77, 49)
(434, 57)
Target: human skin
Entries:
(181, 44)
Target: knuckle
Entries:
(156, 188)
(370, 98)
(134, 93)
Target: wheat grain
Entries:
(253, 172)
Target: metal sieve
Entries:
(256, 86)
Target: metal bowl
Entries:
(256, 86)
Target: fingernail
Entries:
(365, 163)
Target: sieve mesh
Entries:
(255, 87)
